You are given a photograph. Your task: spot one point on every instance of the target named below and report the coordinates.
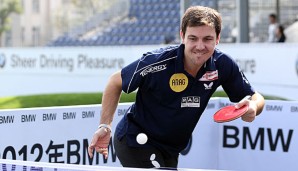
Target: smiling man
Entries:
(174, 85)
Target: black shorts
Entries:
(138, 157)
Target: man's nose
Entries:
(200, 45)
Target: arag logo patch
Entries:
(2, 60)
(178, 82)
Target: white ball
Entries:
(142, 138)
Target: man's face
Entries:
(200, 42)
(272, 20)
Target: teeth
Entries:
(199, 53)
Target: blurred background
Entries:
(31, 23)
(62, 52)
(73, 46)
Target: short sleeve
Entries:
(131, 78)
(138, 73)
(233, 80)
(134, 74)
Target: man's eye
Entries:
(209, 38)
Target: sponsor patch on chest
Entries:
(178, 82)
(190, 101)
(209, 76)
(153, 69)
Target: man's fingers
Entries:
(248, 118)
(90, 151)
(92, 145)
(100, 142)
(105, 154)
(103, 151)
(244, 101)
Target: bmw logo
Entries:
(2, 60)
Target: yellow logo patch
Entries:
(178, 82)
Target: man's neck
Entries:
(191, 68)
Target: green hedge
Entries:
(48, 100)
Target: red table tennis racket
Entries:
(229, 113)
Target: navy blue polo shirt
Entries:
(170, 101)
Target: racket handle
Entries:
(248, 97)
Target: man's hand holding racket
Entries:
(250, 114)
(246, 109)
(100, 141)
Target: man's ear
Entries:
(182, 36)
(218, 38)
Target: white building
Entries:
(44, 20)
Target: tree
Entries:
(8, 7)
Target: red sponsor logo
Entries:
(209, 76)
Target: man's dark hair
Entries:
(273, 15)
